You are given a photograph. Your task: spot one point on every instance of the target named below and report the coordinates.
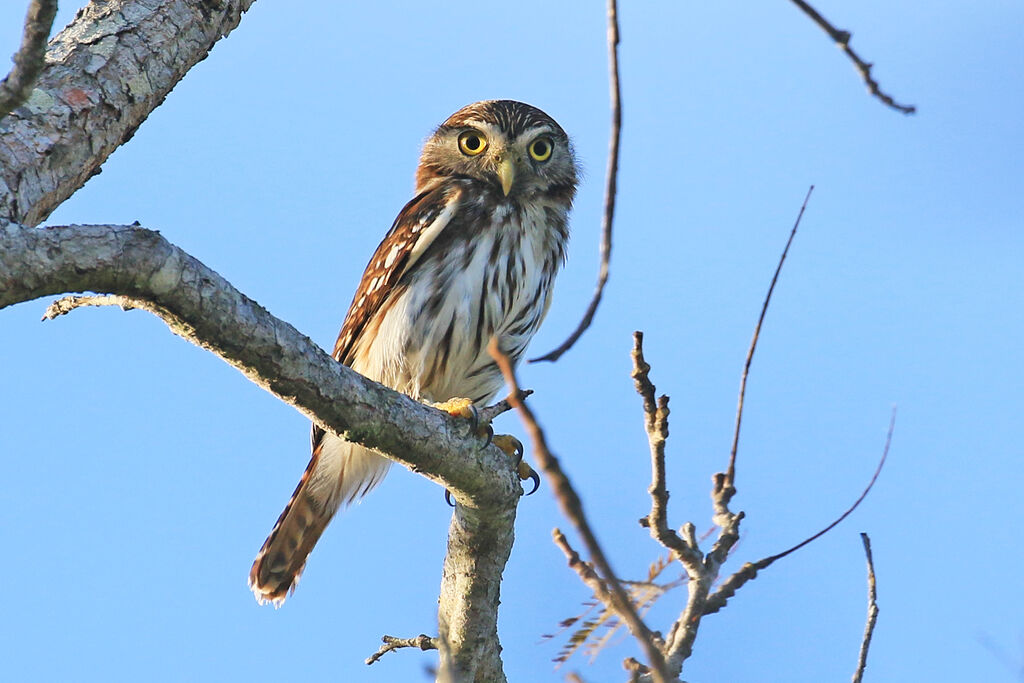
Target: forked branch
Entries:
(572, 508)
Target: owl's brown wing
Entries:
(417, 226)
(280, 561)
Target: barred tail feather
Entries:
(339, 472)
(280, 561)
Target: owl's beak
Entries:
(506, 174)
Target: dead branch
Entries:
(30, 57)
(572, 508)
(842, 39)
(422, 641)
(869, 626)
(609, 189)
(729, 587)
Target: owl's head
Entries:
(515, 148)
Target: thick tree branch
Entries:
(842, 39)
(609, 190)
(199, 305)
(104, 74)
(30, 57)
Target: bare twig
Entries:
(422, 641)
(748, 571)
(584, 570)
(572, 508)
(869, 627)
(503, 406)
(730, 475)
(656, 420)
(842, 39)
(609, 190)
(30, 57)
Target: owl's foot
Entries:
(513, 448)
(464, 408)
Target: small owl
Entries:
(472, 256)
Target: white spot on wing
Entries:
(393, 254)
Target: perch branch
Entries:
(30, 57)
(198, 304)
(842, 39)
(609, 189)
(572, 508)
(869, 626)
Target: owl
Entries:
(472, 256)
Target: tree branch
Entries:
(609, 190)
(199, 305)
(869, 626)
(107, 71)
(842, 39)
(730, 474)
(572, 508)
(422, 641)
(748, 571)
(30, 57)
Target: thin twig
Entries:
(503, 406)
(422, 641)
(748, 571)
(609, 190)
(842, 39)
(869, 627)
(572, 508)
(730, 475)
(30, 57)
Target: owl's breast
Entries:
(491, 278)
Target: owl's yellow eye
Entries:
(540, 149)
(472, 143)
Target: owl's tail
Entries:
(339, 472)
(280, 561)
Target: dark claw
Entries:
(490, 437)
(535, 478)
(448, 498)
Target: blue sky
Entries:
(142, 473)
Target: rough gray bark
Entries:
(104, 74)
